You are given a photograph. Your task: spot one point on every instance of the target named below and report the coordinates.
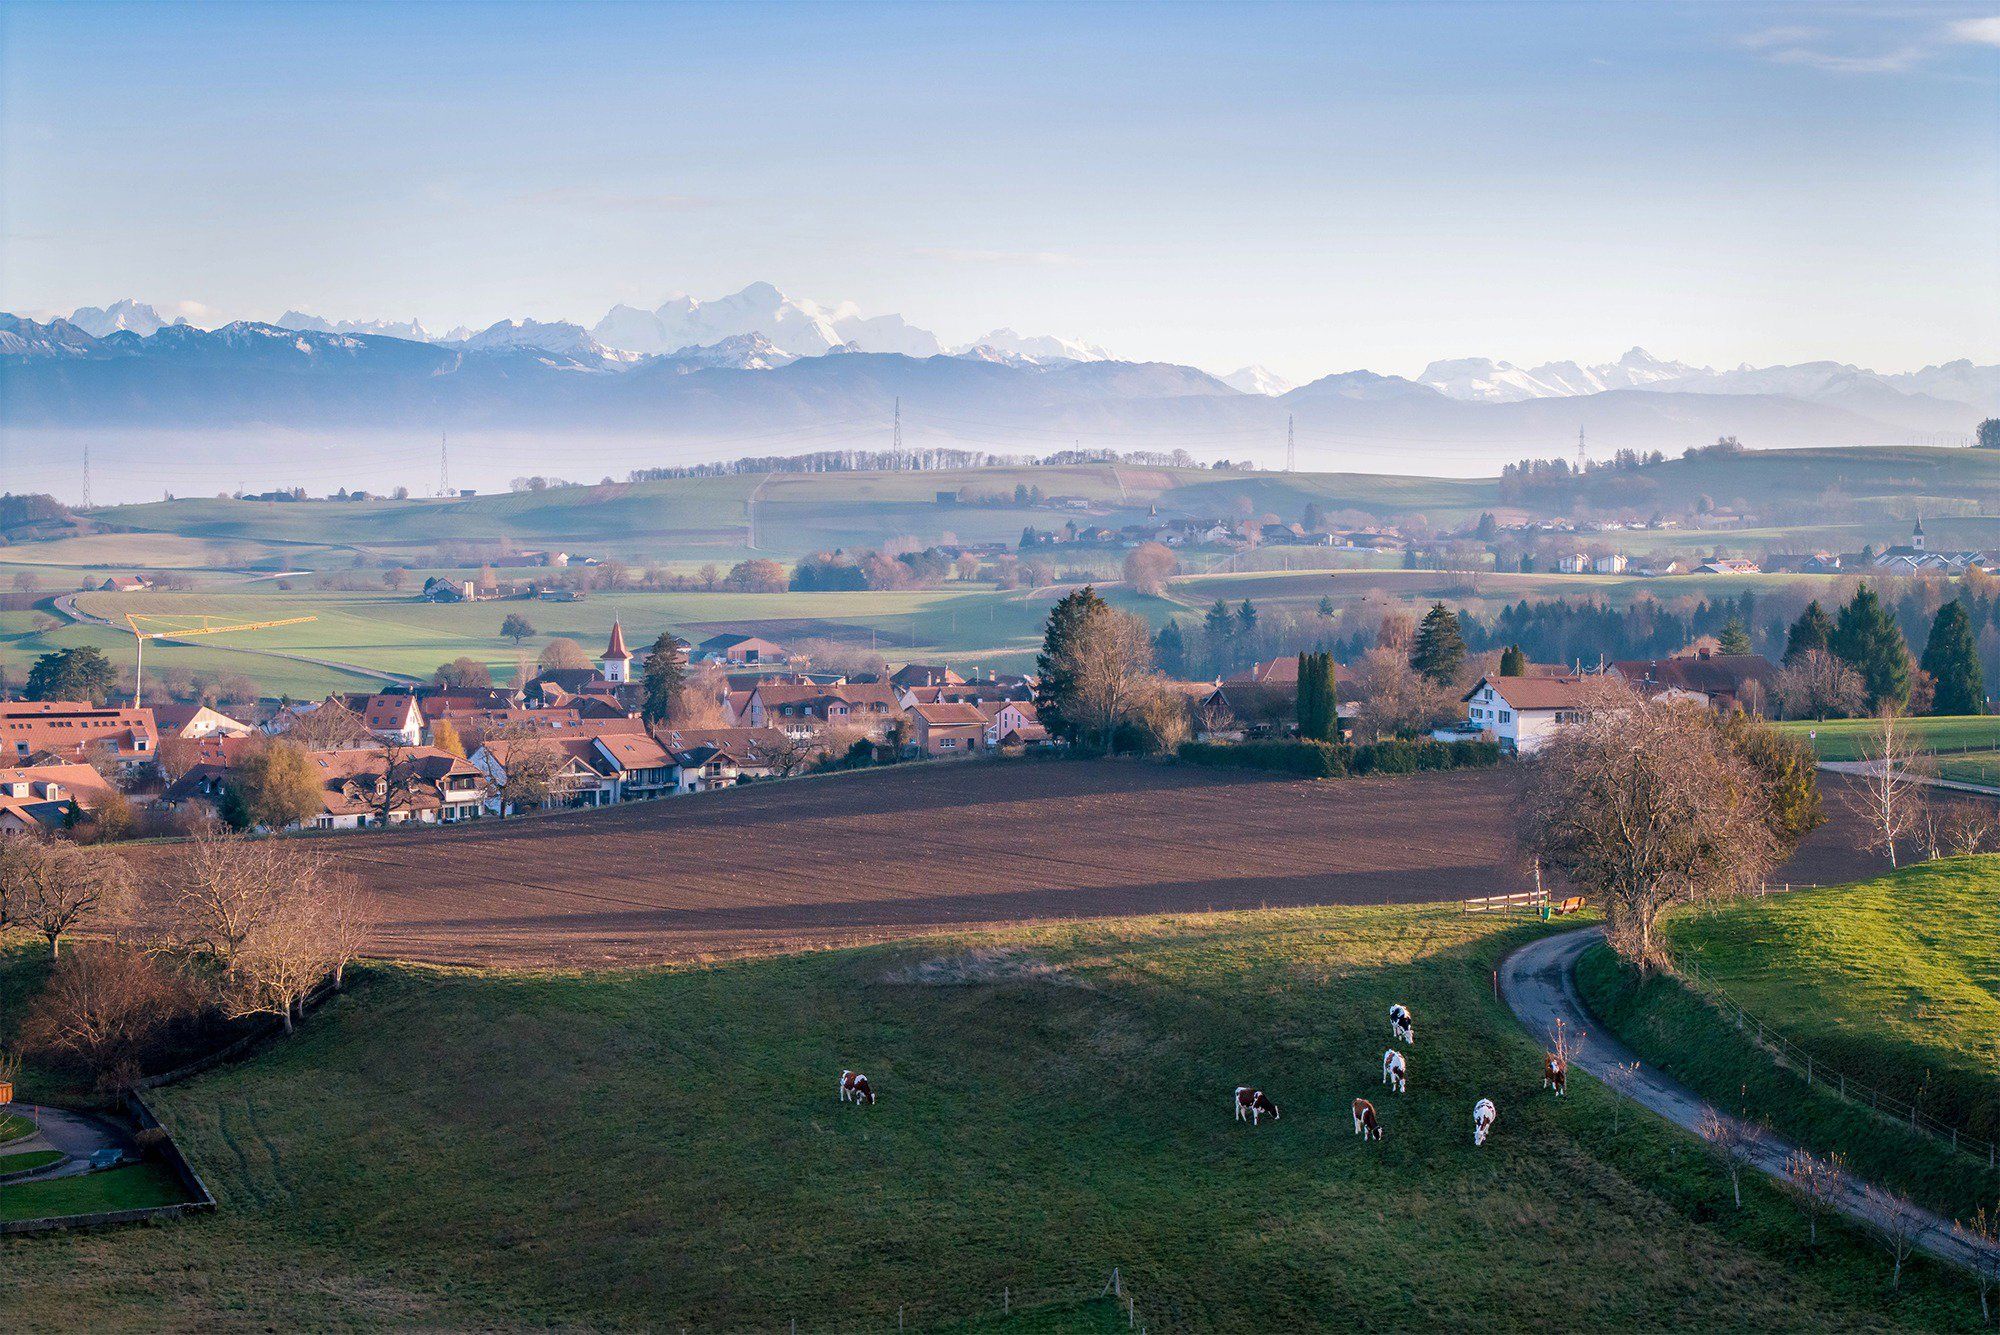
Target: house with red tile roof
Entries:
(42, 799)
(947, 730)
(72, 730)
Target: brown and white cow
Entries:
(1483, 1115)
(854, 1087)
(1555, 1074)
(1395, 1071)
(1365, 1124)
(1401, 1026)
(1252, 1105)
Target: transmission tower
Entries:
(444, 467)
(86, 477)
(1582, 458)
(898, 446)
(1291, 447)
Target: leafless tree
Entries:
(1817, 685)
(104, 1003)
(534, 773)
(1887, 795)
(400, 783)
(330, 726)
(1395, 698)
(1982, 1234)
(1968, 827)
(1111, 667)
(1149, 566)
(1643, 806)
(1901, 1224)
(1731, 1141)
(1816, 1182)
(53, 885)
(1621, 1078)
(788, 754)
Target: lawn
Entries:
(28, 1161)
(134, 1187)
(14, 1127)
(1849, 738)
(1895, 982)
(455, 1149)
(1982, 767)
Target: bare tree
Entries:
(1982, 1234)
(1110, 661)
(211, 898)
(533, 772)
(53, 886)
(1646, 805)
(787, 754)
(1968, 827)
(1898, 1222)
(329, 726)
(1149, 566)
(1817, 685)
(1396, 699)
(400, 782)
(1887, 795)
(1621, 1078)
(1816, 1182)
(1731, 1141)
(104, 1003)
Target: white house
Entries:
(1611, 564)
(1521, 713)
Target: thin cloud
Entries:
(607, 201)
(1817, 48)
(1977, 32)
(957, 255)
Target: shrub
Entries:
(1324, 760)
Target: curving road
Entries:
(1538, 982)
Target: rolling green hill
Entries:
(451, 1149)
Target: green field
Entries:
(1849, 738)
(1895, 982)
(134, 1187)
(28, 1160)
(455, 1149)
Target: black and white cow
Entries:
(1401, 1025)
(1395, 1071)
(1252, 1105)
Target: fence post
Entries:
(1006, 1300)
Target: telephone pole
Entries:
(1291, 447)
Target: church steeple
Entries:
(1917, 534)
(617, 659)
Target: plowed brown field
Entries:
(917, 848)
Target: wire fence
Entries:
(1826, 1076)
(1010, 1300)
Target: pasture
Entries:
(444, 1148)
(1849, 738)
(1894, 982)
(915, 848)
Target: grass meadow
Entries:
(663, 1148)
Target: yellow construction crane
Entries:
(206, 626)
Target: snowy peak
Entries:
(413, 330)
(795, 326)
(135, 316)
(559, 337)
(58, 338)
(1040, 349)
(1483, 380)
(1258, 380)
(744, 352)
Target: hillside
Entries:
(1053, 1102)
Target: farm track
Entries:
(922, 848)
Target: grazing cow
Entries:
(1253, 1105)
(1365, 1124)
(1394, 1069)
(1401, 1025)
(854, 1086)
(1483, 1113)
(1555, 1074)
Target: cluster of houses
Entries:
(1523, 713)
(577, 730)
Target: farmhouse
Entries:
(126, 584)
(1012, 722)
(809, 708)
(1721, 681)
(1521, 713)
(74, 730)
(194, 721)
(739, 649)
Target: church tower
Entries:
(617, 660)
(1917, 534)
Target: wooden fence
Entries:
(1526, 899)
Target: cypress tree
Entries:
(1246, 618)
(1440, 649)
(1813, 630)
(1318, 714)
(1866, 638)
(1054, 679)
(1952, 658)
(1513, 661)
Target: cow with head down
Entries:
(1395, 1070)
(854, 1088)
(1253, 1105)
(1402, 1027)
(1366, 1124)
(1483, 1117)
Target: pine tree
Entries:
(665, 678)
(1866, 638)
(1952, 658)
(1326, 608)
(1054, 686)
(1318, 712)
(1513, 661)
(1246, 619)
(1170, 650)
(1440, 648)
(1220, 624)
(1735, 638)
(1813, 630)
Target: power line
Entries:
(1582, 458)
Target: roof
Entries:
(1708, 673)
(634, 751)
(42, 783)
(724, 643)
(171, 719)
(1284, 668)
(617, 649)
(742, 744)
(72, 728)
(778, 694)
(949, 715)
(1570, 692)
(925, 674)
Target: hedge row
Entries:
(1324, 760)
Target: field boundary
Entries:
(1786, 1053)
(200, 1199)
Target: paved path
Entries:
(1927, 780)
(1538, 982)
(75, 1134)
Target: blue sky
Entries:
(1314, 188)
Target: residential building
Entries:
(426, 786)
(193, 721)
(1722, 681)
(42, 799)
(74, 730)
(1728, 566)
(739, 649)
(947, 730)
(924, 674)
(1522, 713)
(802, 709)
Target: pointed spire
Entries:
(617, 649)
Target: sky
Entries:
(1311, 188)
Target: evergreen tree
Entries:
(1318, 713)
(1813, 630)
(1220, 624)
(1952, 658)
(82, 673)
(1866, 638)
(1314, 521)
(1735, 638)
(665, 677)
(1326, 608)
(1513, 662)
(1170, 650)
(1054, 686)
(1246, 619)
(1440, 648)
